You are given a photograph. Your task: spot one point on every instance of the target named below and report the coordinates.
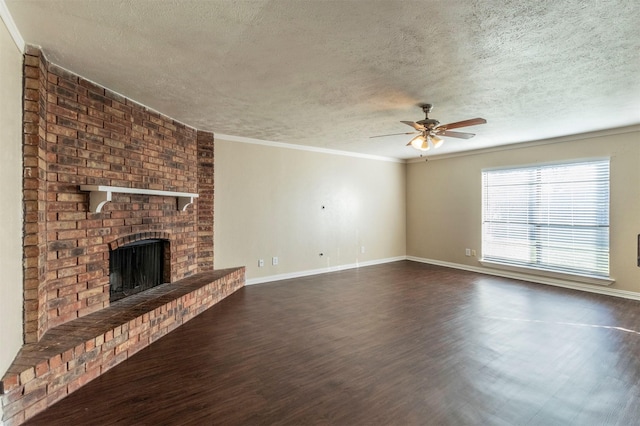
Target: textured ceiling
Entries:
(330, 74)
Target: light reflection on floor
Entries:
(610, 327)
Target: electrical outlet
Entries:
(274, 260)
(467, 252)
(260, 263)
(473, 253)
(362, 249)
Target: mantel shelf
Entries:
(99, 195)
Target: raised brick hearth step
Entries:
(72, 354)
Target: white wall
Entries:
(10, 199)
(444, 200)
(268, 202)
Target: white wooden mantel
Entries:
(99, 195)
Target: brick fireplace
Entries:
(79, 135)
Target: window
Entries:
(549, 217)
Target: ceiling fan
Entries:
(430, 130)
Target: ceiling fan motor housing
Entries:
(428, 123)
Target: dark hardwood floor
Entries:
(396, 344)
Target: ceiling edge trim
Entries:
(560, 139)
(243, 139)
(6, 17)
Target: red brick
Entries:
(55, 361)
(62, 131)
(27, 375)
(10, 381)
(35, 408)
(84, 134)
(42, 367)
(72, 234)
(84, 379)
(55, 396)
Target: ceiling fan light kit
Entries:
(419, 142)
(437, 142)
(424, 142)
(429, 129)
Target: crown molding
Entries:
(242, 139)
(11, 26)
(560, 139)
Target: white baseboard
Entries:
(478, 269)
(533, 278)
(309, 272)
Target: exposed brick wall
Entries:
(205, 202)
(34, 193)
(79, 133)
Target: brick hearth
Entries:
(79, 133)
(70, 355)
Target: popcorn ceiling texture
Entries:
(332, 73)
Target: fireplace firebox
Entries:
(136, 267)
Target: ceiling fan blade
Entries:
(416, 126)
(461, 135)
(392, 134)
(465, 123)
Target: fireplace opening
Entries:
(136, 267)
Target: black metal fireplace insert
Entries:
(136, 267)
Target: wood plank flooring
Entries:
(402, 343)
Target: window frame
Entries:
(537, 268)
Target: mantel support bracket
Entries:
(100, 195)
(97, 200)
(184, 202)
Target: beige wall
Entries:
(268, 202)
(444, 200)
(10, 198)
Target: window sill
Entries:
(587, 279)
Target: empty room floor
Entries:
(402, 343)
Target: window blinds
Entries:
(551, 217)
